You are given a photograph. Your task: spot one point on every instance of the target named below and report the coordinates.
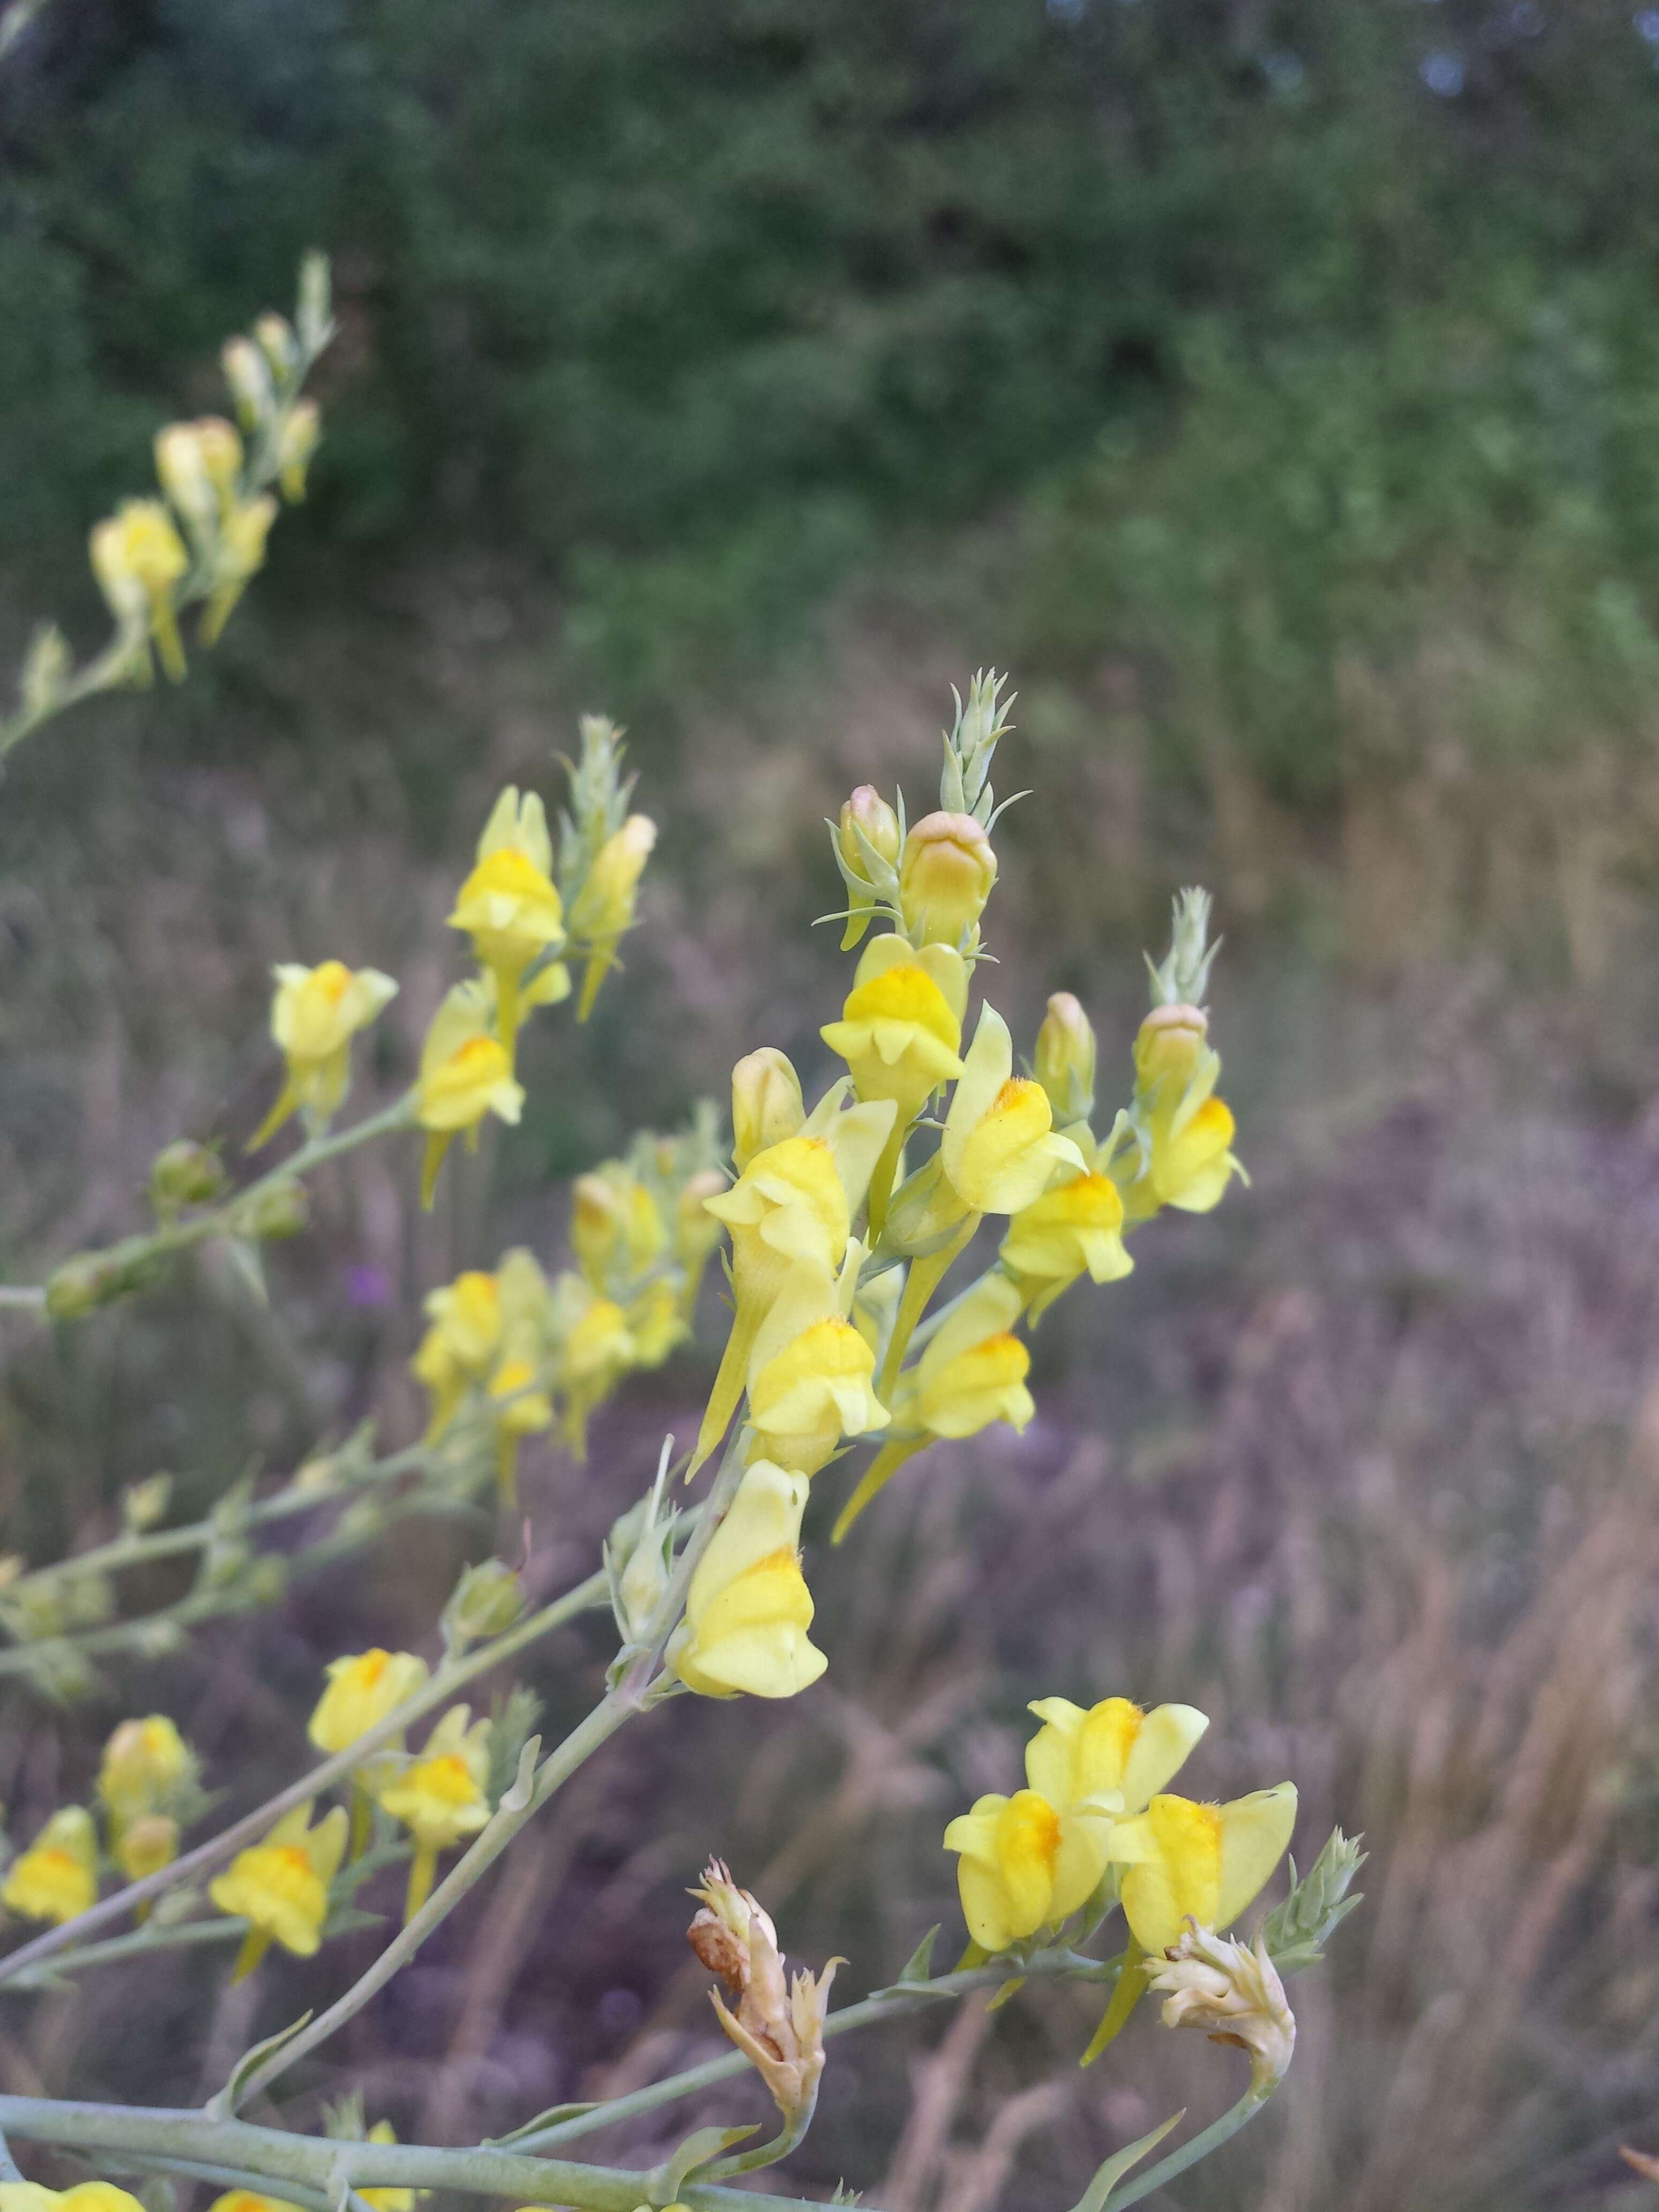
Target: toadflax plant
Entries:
(888, 1246)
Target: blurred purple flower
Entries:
(368, 1286)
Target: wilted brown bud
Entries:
(778, 2025)
(1232, 1994)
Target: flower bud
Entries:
(302, 431)
(1065, 1059)
(485, 1602)
(148, 1844)
(1168, 1045)
(46, 671)
(280, 1209)
(143, 1503)
(867, 817)
(276, 339)
(184, 1173)
(221, 453)
(946, 878)
(766, 1103)
(182, 467)
(145, 1763)
(84, 1283)
(1232, 1994)
(249, 379)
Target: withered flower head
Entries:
(778, 2025)
(1231, 1993)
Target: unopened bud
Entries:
(312, 313)
(485, 1602)
(944, 878)
(143, 1503)
(279, 1209)
(868, 826)
(184, 1173)
(1232, 1994)
(276, 343)
(301, 432)
(1065, 1060)
(84, 1283)
(1168, 1045)
(249, 379)
(182, 467)
(147, 1846)
(45, 671)
(766, 1103)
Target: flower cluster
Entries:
(148, 1791)
(841, 1236)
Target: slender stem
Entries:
(226, 2177)
(443, 1687)
(145, 1939)
(7, 2163)
(557, 1769)
(32, 1294)
(322, 2163)
(1209, 2139)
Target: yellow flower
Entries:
(1064, 1061)
(460, 1345)
(944, 878)
(1075, 1228)
(603, 909)
(1024, 1864)
(656, 1323)
(1203, 1862)
(766, 1103)
(146, 1763)
(315, 1015)
(387, 2200)
(144, 1846)
(809, 1374)
(362, 1689)
(867, 821)
(616, 1228)
(138, 557)
(971, 1372)
(1188, 1160)
(899, 1033)
(748, 1609)
(85, 2197)
(998, 1150)
(281, 1885)
(56, 1878)
(465, 1073)
(1113, 1753)
(253, 2200)
(440, 1797)
(595, 1348)
(794, 1201)
(302, 433)
(509, 905)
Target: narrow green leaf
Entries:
(550, 2119)
(920, 1964)
(1097, 2197)
(224, 2106)
(699, 2149)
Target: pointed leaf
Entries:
(1009, 1989)
(224, 2106)
(248, 1267)
(1097, 2197)
(550, 2119)
(697, 2150)
(918, 1968)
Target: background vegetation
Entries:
(1275, 389)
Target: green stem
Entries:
(218, 1849)
(322, 2162)
(222, 2177)
(1178, 2161)
(149, 1937)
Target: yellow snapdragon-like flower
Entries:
(363, 1688)
(519, 1406)
(139, 558)
(1183, 1861)
(595, 1348)
(85, 2197)
(302, 433)
(198, 465)
(460, 1344)
(315, 1015)
(1115, 1754)
(794, 1201)
(1075, 1229)
(899, 1033)
(56, 1878)
(253, 2200)
(971, 1372)
(1024, 1864)
(811, 1372)
(466, 1072)
(603, 910)
(388, 2199)
(657, 1323)
(509, 905)
(616, 1228)
(1189, 1159)
(146, 1763)
(440, 1797)
(946, 876)
(281, 1885)
(748, 1609)
(999, 1149)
